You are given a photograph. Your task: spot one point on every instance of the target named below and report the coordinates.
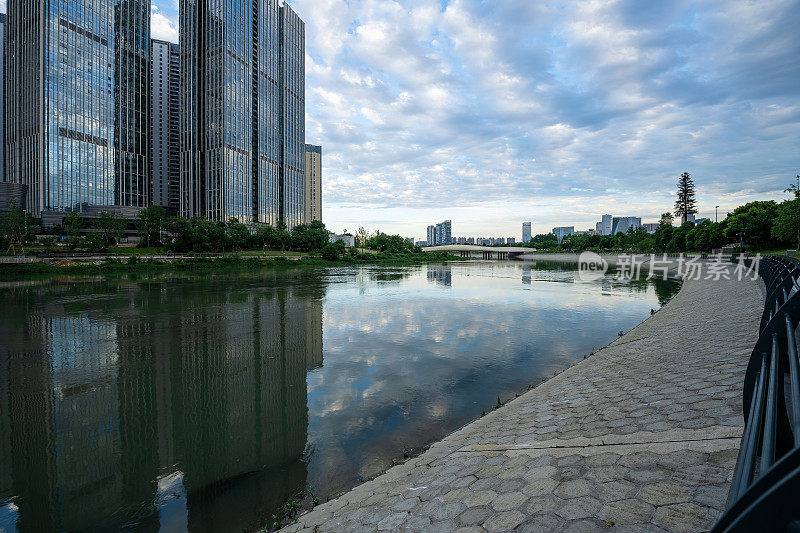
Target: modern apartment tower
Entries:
(77, 117)
(291, 113)
(313, 185)
(526, 232)
(242, 100)
(164, 117)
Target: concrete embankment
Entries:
(642, 436)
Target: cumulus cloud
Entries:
(162, 25)
(556, 112)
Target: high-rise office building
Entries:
(526, 232)
(78, 102)
(292, 113)
(622, 224)
(2, 97)
(313, 185)
(606, 225)
(164, 116)
(431, 235)
(242, 98)
(563, 231)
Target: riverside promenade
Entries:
(641, 436)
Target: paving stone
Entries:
(715, 496)
(624, 512)
(615, 490)
(685, 517)
(509, 501)
(590, 525)
(392, 521)
(574, 488)
(664, 493)
(540, 486)
(504, 521)
(542, 522)
(483, 497)
(583, 507)
(474, 516)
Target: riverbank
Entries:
(643, 434)
(137, 264)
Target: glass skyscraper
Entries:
(77, 90)
(242, 105)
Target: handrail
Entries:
(767, 473)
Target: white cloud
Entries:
(162, 26)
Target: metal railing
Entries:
(766, 480)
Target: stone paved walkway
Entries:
(642, 436)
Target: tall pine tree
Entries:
(686, 204)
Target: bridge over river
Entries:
(489, 252)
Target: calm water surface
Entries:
(208, 403)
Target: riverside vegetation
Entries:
(201, 244)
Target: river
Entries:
(219, 402)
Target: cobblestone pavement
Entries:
(641, 436)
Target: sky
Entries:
(495, 113)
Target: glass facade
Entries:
(231, 120)
(164, 142)
(292, 121)
(78, 106)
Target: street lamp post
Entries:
(716, 213)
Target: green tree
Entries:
(111, 227)
(209, 236)
(544, 241)
(72, 225)
(16, 225)
(96, 242)
(686, 204)
(309, 237)
(787, 224)
(382, 242)
(181, 234)
(265, 236)
(753, 222)
(362, 236)
(238, 235)
(794, 188)
(151, 222)
(333, 250)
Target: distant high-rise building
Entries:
(164, 134)
(511, 240)
(77, 115)
(526, 232)
(651, 227)
(444, 232)
(242, 112)
(440, 233)
(622, 224)
(563, 231)
(313, 185)
(606, 225)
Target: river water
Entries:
(219, 402)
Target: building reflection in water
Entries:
(526, 274)
(186, 409)
(440, 274)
